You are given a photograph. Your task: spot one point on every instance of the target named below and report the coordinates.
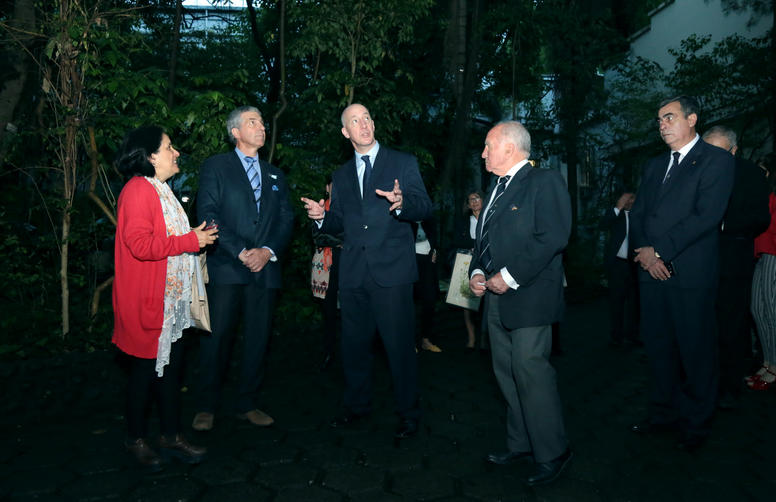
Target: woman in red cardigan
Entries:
(155, 252)
(764, 294)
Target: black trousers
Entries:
(368, 310)
(678, 329)
(623, 299)
(329, 304)
(230, 303)
(426, 291)
(145, 388)
(734, 323)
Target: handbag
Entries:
(319, 273)
(459, 293)
(200, 310)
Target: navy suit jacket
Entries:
(375, 241)
(681, 218)
(528, 231)
(226, 196)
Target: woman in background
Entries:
(155, 252)
(465, 235)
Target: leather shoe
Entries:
(648, 427)
(506, 457)
(203, 421)
(181, 449)
(408, 427)
(548, 471)
(345, 420)
(144, 454)
(257, 417)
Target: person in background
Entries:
(331, 247)
(745, 218)
(620, 273)
(465, 234)
(155, 253)
(426, 289)
(764, 292)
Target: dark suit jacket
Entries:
(681, 218)
(528, 231)
(617, 227)
(746, 217)
(376, 241)
(226, 196)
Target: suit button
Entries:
(366, 227)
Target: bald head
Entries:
(722, 137)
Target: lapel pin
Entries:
(273, 176)
(274, 188)
(513, 208)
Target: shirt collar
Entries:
(686, 148)
(514, 169)
(372, 154)
(243, 156)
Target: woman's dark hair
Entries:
(138, 145)
(768, 162)
(466, 209)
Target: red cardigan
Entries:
(141, 251)
(766, 241)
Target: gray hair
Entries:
(724, 132)
(517, 134)
(234, 121)
(688, 104)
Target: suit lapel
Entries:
(686, 166)
(508, 196)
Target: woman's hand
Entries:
(206, 236)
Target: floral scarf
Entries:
(177, 288)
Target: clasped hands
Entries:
(315, 210)
(255, 258)
(495, 284)
(651, 262)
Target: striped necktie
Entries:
(485, 258)
(255, 179)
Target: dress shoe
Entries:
(648, 427)
(178, 447)
(144, 454)
(203, 421)
(506, 457)
(257, 417)
(346, 420)
(548, 471)
(408, 427)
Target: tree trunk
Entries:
(176, 37)
(282, 90)
(20, 31)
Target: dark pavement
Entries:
(62, 433)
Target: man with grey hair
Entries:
(517, 265)
(745, 218)
(248, 199)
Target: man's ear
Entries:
(692, 119)
(345, 132)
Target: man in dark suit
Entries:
(620, 273)
(675, 233)
(377, 265)
(517, 263)
(746, 217)
(248, 199)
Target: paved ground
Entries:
(62, 431)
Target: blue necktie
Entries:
(255, 179)
(485, 258)
(671, 168)
(367, 173)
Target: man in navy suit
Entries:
(518, 265)
(675, 234)
(746, 217)
(620, 273)
(375, 198)
(248, 199)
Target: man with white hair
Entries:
(517, 264)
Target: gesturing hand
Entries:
(205, 236)
(315, 210)
(394, 196)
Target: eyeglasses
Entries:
(668, 118)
